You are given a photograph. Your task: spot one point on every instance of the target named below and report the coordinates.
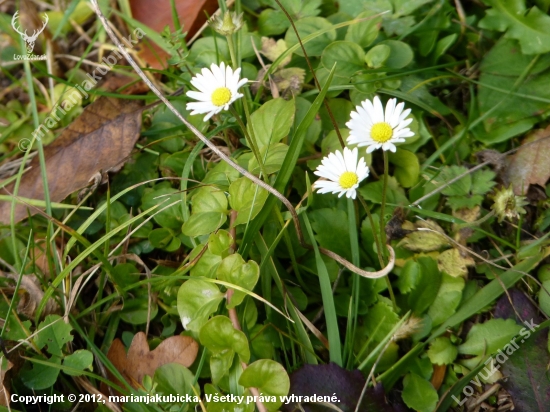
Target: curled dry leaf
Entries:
(5, 386)
(423, 240)
(98, 141)
(531, 164)
(31, 296)
(140, 361)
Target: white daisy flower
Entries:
(370, 126)
(343, 172)
(218, 88)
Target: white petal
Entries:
(390, 107)
(389, 146)
(378, 110)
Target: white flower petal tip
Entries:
(372, 126)
(341, 173)
(218, 87)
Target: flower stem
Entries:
(383, 226)
(383, 205)
(231, 46)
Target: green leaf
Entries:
(197, 300)
(419, 394)
(41, 376)
(224, 341)
(272, 122)
(136, 310)
(271, 380)
(459, 188)
(395, 193)
(209, 199)
(175, 379)
(427, 288)
(307, 26)
(171, 217)
(162, 238)
(401, 54)
(544, 297)
(531, 28)
(81, 359)
(54, 334)
(377, 56)
(486, 338)
(409, 276)
(447, 300)
(234, 270)
(330, 232)
(482, 181)
(276, 154)
(272, 22)
(500, 71)
(380, 320)
(407, 167)
(348, 57)
(200, 224)
(442, 351)
(247, 199)
(364, 33)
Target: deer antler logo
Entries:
(30, 40)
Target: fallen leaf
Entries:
(5, 386)
(99, 140)
(31, 295)
(140, 361)
(531, 164)
(192, 15)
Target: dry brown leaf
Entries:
(5, 387)
(531, 164)
(99, 140)
(140, 361)
(192, 16)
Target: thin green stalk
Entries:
(231, 46)
(383, 206)
(376, 237)
(383, 227)
(356, 285)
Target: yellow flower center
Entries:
(381, 132)
(348, 179)
(221, 96)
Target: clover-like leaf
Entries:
(271, 380)
(234, 270)
(197, 300)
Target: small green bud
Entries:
(227, 24)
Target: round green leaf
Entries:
(176, 379)
(401, 54)
(419, 394)
(197, 300)
(407, 167)
(80, 359)
(271, 380)
(219, 335)
(200, 224)
(234, 270)
(442, 351)
(247, 199)
(307, 26)
(348, 57)
(377, 56)
(364, 33)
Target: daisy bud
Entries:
(507, 204)
(227, 24)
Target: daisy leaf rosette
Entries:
(342, 173)
(376, 128)
(217, 87)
